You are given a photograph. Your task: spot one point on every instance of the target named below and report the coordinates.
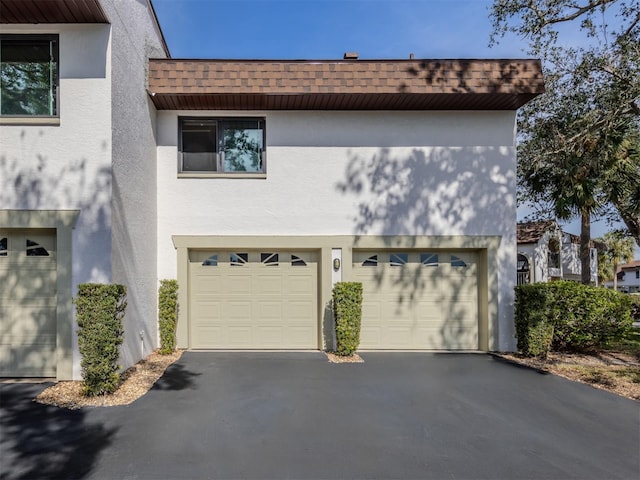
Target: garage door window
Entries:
(211, 261)
(36, 250)
(238, 259)
(429, 259)
(372, 261)
(3, 247)
(398, 259)
(457, 262)
(297, 261)
(269, 259)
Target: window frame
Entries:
(219, 123)
(54, 40)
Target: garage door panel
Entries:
(28, 320)
(300, 311)
(268, 310)
(268, 284)
(237, 310)
(418, 300)
(238, 284)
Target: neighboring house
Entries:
(547, 253)
(628, 277)
(258, 184)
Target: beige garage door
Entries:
(27, 303)
(253, 300)
(418, 300)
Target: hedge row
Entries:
(567, 316)
(347, 307)
(99, 312)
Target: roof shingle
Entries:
(344, 84)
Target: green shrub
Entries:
(533, 330)
(635, 306)
(347, 307)
(168, 315)
(578, 317)
(99, 312)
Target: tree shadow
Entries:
(176, 377)
(39, 441)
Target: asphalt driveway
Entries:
(294, 415)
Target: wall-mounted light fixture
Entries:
(336, 264)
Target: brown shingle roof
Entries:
(531, 232)
(344, 84)
(52, 11)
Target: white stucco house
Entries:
(628, 277)
(546, 253)
(257, 184)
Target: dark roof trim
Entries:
(51, 11)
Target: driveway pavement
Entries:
(293, 415)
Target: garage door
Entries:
(418, 300)
(253, 300)
(27, 303)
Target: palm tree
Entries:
(618, 251)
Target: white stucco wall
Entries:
(68, 166)
(366, 173)
(135, 39)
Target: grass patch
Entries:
(629, 344)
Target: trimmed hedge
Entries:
(567, 316)
(99, 312)
(168, 315)
(347, 308)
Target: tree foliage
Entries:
(618, 249)
(578, 144)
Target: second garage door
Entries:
(418, 300)
(28, 299)
(253, 300)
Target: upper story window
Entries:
(29, 75)
(221, 145)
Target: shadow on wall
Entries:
(40, 441)
(37, 182)
(432, 191)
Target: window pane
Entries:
(457, 262)
(372, 261)
(243, 144)
(398, 259)
(429, 259)
(35, 250)
(211, 261)
(199, 146)
(270, 259)
(238, 259)
(28, 76)
(3, 247)
(297, 261)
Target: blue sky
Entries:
(325, 29)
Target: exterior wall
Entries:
(133, 247)
(356, 173)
